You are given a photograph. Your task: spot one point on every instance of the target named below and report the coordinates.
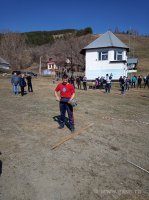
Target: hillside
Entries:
(58, 44)
(44, 37)
(139, 47)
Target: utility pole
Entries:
(134, 44)
(40, 65)
(129, 41)
(71, 63)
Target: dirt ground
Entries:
(93, 165)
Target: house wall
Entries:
(51, 66)
(95, 67)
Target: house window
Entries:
(51, 66)
(103, 55)
(118, 55)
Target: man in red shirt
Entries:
(67, 93)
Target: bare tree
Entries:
(70, 48)
(13, 49)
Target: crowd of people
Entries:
(19, 82)
(134, 82)
(65, 91)
(104, 82)
(80, 82)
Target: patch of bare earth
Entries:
(93, 165)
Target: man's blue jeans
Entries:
(65, 106)
(15, 89)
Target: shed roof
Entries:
(3, 61)
(108, 39)
(132, 60)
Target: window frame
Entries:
(118, 53)
(103, 55)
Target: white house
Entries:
(51, 68)
(106, 55)
(51, 65)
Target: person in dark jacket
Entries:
(123, 85)
(146, 82)
(22, 83)
(139, 82)
(29, 83)
(72, 80)
(78, 82)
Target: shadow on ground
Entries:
(58, 119)
(1, 164)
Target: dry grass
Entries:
(141, 51)
(92, 165)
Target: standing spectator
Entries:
(67, 93)
(101, 81)
(110, 77)
(22, 84)
(78, 82)
(108, 84)
(123, 85)
(72, 80)
(134, 79)
(120, 81)
(139, 82)
(29, 83)
(97, 82)
(84, 83)
(15, 83)
(81, 80)
(144, 79)
(147, 82)
(128, 82)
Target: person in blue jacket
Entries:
(15, 83)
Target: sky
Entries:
(49, 15)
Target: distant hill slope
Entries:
(139, 47)
(44, 37)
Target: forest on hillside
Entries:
(23, 50)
